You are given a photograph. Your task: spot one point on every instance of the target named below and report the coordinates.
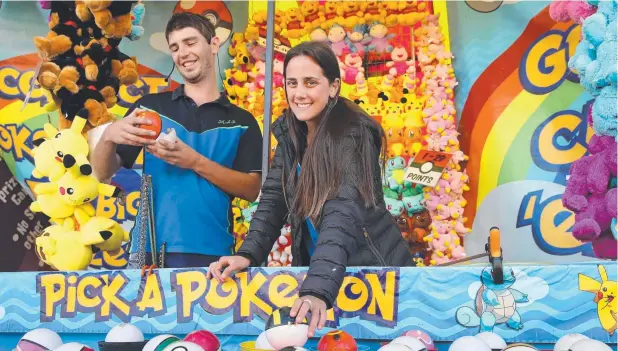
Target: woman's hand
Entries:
(231, 263)
(312, 304)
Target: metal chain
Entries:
(141, 243)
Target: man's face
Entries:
(192, 54)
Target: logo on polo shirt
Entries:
(227, 121)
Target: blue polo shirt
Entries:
(192, 215)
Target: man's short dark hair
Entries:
(186, 19)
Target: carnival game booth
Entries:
(396, 62)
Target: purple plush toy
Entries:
(591, 195)
(593, 219)
(605, 246)
(45, 5)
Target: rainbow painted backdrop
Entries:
(519, 107)
(520, 111)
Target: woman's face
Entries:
(307, 89)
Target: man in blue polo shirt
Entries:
(216, 157)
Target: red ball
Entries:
(156, 125)
(207, 340)
(337, 340)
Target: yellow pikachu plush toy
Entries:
(104, 233)
(71, 194)
(62, 250)
(49, 151)
(605, 297)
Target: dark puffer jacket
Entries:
(349, 233)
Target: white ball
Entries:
(565, 342)
(468, 343)
(160, 342)
(521, 347)
(124, 333)
(394, 347)
(413, 343)
(287, 335)
(72, 346)
(46, 338)
(589, 345)
(262, 342)
(494, 340)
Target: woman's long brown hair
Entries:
(334, 157)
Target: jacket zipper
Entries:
(373, 249)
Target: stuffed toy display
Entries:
(81, 64)
(395, 65)
(591, 187)
(81, 70)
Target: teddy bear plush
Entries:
(112, 17)
(92, 56)
(314, 16)
(63, 31)
(292, 24)
(124, 67)
(420, 223)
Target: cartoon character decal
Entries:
(215, 11)
(494, 304)
(604, 296)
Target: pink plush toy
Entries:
(460, 228)
(45, 5)
(572, 10)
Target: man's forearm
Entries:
(239, 184)
(104, 160)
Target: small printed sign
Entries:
(427, 167)
(280, 44)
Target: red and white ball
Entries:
(73, 346)
(423, 337)
(207, 340)
(411, 342)
(40, 339)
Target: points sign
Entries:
(427, 167)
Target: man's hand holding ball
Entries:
(139, 128)
(173, 151)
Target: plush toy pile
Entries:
(82, 66)
(82, 70)
(394, 64)
(591, 188)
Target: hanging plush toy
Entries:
(61, 249)
(137, 18)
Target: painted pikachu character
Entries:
(605, 297)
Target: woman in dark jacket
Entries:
(326, 177)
